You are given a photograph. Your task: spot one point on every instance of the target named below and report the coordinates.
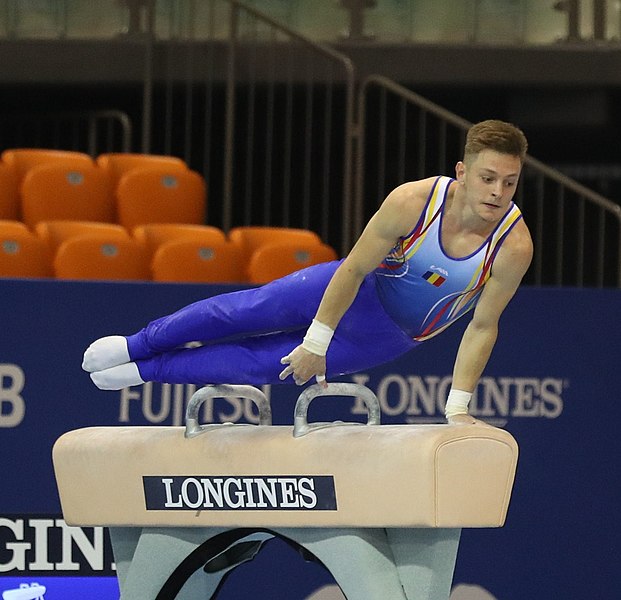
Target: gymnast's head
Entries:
(493, 157)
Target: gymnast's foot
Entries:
(106, 352)
(118, 377)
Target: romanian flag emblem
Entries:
(434, 278)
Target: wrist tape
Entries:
(317, 338)
(457, 403)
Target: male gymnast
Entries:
(436, 249)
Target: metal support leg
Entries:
(124, 541)
(146, 558)
(157, 554)
(360, 560)
(425, 560)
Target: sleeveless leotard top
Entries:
(422, 288)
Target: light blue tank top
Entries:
(422, 288)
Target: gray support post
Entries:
(425, 560)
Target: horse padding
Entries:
(383, 475)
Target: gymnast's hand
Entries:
(303, 365)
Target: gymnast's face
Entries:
(490, 179)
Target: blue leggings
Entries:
(244, 334)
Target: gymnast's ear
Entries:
(460, 172)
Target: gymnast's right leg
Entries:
(255, 360)
(252, 361)
(286, 304)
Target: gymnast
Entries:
(436, 249)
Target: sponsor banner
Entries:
(46, 545)
(552, 381)
(274, 492)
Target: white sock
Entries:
(105, 352)
(118, 377)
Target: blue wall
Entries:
(553, 382)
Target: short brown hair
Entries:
(495, 135)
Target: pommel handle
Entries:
(301, 426)
(192, 426)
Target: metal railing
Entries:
(309, 123)
(264, 114)
(576, 232)
(92, 132)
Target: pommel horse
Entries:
(380, 506)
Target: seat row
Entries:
(165, 252)
(128, 189)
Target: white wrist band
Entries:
(317, 338)
(457, 403)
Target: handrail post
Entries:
(348, 165)
(360, 157)
(229, 136)
(147, 89)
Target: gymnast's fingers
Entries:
(285, 372)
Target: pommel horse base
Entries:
(380, 506)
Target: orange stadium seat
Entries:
(22, 254)
(9, 193)
(54, 233)
(197, 261)
(99, 257)
(119, 163)
(249, 238)
(21, 160)
(161, 195)
(153, 235)
(279, 259)
(13, 226)
(60, 192)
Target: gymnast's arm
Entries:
(401, 208)
(476, 345)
